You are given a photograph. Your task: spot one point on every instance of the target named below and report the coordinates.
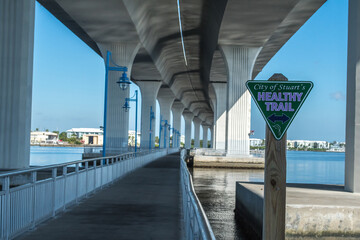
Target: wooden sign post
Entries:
(278, 101)
(274, 183)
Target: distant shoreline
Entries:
(64, 145)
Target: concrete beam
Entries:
(116, 135)
(149, 91)
(188, 117)
(240, 61)
(352, 155)
(16, 68)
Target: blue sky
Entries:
(68, 78)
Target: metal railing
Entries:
(196, 223)
(28, 197)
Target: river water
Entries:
(216, 187)
(40, 156)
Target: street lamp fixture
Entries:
(126, 108)
(123, 81)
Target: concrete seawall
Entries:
(228, 162)
(312, 210)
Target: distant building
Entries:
(43, 138)
(93, 139)
(131, 139)
(182, 138)
(79, 132)
(256, 142)
(307, 144)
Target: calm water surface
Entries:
(40, 156)
(216, 187)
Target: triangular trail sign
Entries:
(279, 102)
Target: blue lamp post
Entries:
(161, 128)
(123, 82)
(152, 116)
(126, 107)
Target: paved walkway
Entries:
(143, 205)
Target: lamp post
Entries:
(126, 107)
(152, 116)
(161, 128)
(124, 80)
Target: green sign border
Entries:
(279, 82)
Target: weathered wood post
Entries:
(274, 183)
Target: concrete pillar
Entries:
(197, 121)
(188, 117)
(149, 91)
(16, 68)
(177, 109)
(166, 99)
(205, 135)
(352, 155)
(240, 63)
(212, 137)
(117, 120)
(220, 119)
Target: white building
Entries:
(43, 137)
(256, 142)
(93, 139)
(307, 144)
(182, 138)
(79, 132)
(131, 139)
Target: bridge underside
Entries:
(193, 58)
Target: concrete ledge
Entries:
(311, 210)
(228, 162)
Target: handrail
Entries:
(202, 226)
(26, 201)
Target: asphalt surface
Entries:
(143, 205)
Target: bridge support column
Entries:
(352, 155)
(220, 115)
(240, 63)
(205, 135)
(149, 91)
(16, 67)
(116, 120)
(212, 136)
(166, 99)
(188, 117)
(197, 121)
(177, 109)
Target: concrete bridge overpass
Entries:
(193, 56)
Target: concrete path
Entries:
(143, 205)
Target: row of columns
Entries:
(232, 107)
(232, 110)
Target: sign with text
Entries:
(279, 102)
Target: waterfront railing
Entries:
(196, 224)
(29, 197)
